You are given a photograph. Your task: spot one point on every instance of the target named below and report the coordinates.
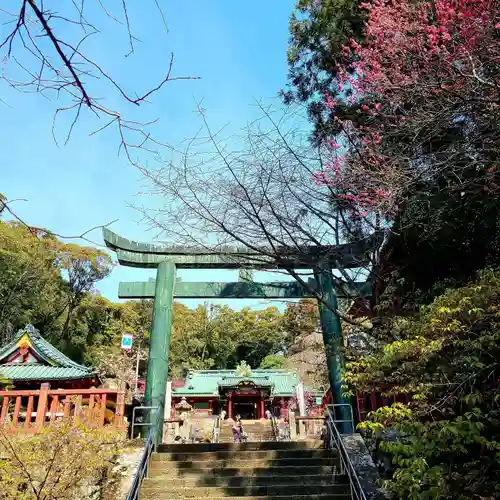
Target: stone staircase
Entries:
(258, 471)
(257, 431)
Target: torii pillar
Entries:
(165, 288)
(157, 375)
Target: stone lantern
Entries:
(183, 407)
(183, 410)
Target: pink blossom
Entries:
(329, 102)
(407, 42)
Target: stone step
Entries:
(248, 446)
(255, 435)
(227, 432)
(246, 455)
(248, 428)
(166, 495)
(253, 491)
(156, 469)
(157, 464)
(251, 437)
(256, 427)
(210, 480)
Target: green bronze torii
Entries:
(167, 258)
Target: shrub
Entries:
(57, 463)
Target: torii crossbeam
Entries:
(242, 289)
(167, 258)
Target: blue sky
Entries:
(238, 49)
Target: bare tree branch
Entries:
(44, 53)
(259, 194)
(35, 231)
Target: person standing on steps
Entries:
(237, 429)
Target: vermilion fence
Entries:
(34, 409)
(367, 402)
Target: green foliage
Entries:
(273, 361)
(42, 280)
(301, 318)
(318, 32)
(57, 462)
(5, 384)
(97, 326)
(52, 285)
(450, 223)
(218, 337)
(447, 356)
(30, 281)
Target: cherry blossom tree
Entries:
(423, 93)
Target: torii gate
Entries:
(166, 259)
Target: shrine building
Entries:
(248, 395)
(30, 360)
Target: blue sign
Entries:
(127, 341)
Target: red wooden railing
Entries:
(373, 401)
(33, 409)
(367, 402)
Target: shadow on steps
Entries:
(263, 470)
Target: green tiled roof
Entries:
(233, 381)
(16, 371)
(53, 364)
(207, 382)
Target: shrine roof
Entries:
(208, 382)
(234, 381)
(30, 357)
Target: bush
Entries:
(58, 463)
(446, 443)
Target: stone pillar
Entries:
(168, 402)
(184, 411)
(302, 429)
(230, 406)
(293, 425)
(156, 381)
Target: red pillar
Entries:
(230, 406)
(283, 412)
(262, 409)
(361, 402)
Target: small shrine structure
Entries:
(29, 360)
(248, 393)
